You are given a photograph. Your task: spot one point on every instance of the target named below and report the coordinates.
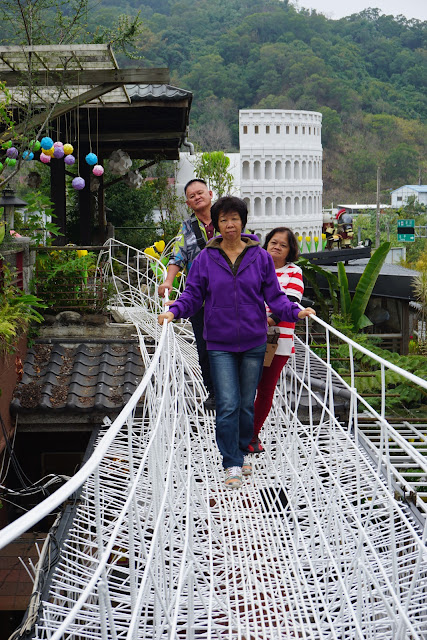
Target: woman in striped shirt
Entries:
(282, 245)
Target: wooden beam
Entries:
(86, 77)
(135, 136)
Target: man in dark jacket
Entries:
(195, 233)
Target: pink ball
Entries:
(98, 170)
(58, 152)
(69, 159)
(44, 158)
(58, 144)
(78, 183)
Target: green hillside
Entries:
(366, 73)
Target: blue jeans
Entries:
(235, 377)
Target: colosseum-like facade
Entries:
(281, 170)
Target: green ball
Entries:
(7, 145)
(35, 145)
(10, 162)
(1, 167)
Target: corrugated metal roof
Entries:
(156, 92)
(420, 188)
(81, 377)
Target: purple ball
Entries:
(69, 159)
(59, 152)
(12, 152)
(78, 183)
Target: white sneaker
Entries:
(233, 477)
(247, 466)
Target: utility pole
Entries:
(377, 217)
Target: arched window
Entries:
(310, 169)
(288, 170)
(310, 204)
(296, 170)
(304, 170)
(278, 170)
(297, 206)
(257, 207)
(288, 207)
(257, 170)
(246, 170)
(303, 205)
(279, 210)
(268, 170)
(268, 207)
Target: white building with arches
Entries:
(281, 170)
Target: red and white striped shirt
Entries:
(290, 280)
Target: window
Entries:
(256, 128)
(296, 130)
(277, 128)
(245, 128)
(267, 128)
(399, 198)
(287, 128)
(303, 130)
(309, 131)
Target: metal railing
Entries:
(318, 543)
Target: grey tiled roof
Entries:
(156, 92)
(80, 377)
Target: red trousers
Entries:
(265, 391)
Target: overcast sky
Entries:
(340, 8)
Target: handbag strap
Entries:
(201, 242)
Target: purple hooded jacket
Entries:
(235, 317)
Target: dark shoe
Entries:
(209, 404)
(255, 446)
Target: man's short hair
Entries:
(191, 182)
(229, 204)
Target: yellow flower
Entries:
(81, 252)
(160, 245)
(150, 252)
(299, 238)
(316, 239)
(323, 236)
(307, 239)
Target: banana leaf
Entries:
(345, 298)
(366, 284)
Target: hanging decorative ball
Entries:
(98, 170)
(10, 162)
(68, 148)
(78, 183)
(12, 152)
(49, 152)
(69, 160)
(28, 155)
(58, 143)
(46, 143)
(44, 158)
(35, 145)
(58, 152)
(7, 145)
(91, 159)
(1, 167)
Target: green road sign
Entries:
(406, 230)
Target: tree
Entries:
(213, 167)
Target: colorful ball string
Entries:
(44, 158)
(28, 155)
(11, 162)
(35, 145)
(91, 159)
(46, 143)
(68, 149)
(70, 159)
(78, 183)
(98, 170)
(12, 152)
(58, 152)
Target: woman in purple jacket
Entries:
(233, 276)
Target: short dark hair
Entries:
(292, 240)
(191, 182)
(229, 204)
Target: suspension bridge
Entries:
(326, 540)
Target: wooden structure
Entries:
(79, 95)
